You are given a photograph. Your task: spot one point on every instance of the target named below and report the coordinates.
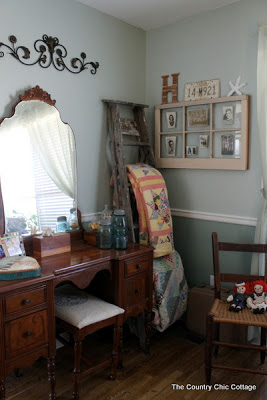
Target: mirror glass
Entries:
(37, 167)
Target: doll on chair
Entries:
(239, 299)
(257, 300)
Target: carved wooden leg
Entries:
(115, 352)
(208, 348)
(2, 390)
(76, 370)
(51, 377)
(120, 365)
(148, 331)
(263, 343)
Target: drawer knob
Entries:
(137, 291)
(26, 301)
(139, 266)
(29, 333)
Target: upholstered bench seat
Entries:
(81, 309)
(80, 314)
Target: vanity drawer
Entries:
(136, 289)
(25, 300)
(25, 334)
(133, 266)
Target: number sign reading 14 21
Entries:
(202, 90)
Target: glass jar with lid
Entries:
(62, 224)
(73, 220)
(104, 235)
(120, 234)
(106, 213)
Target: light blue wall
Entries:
(117, 46)
(192, 239)
(218, 44)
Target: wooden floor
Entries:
(174, 359)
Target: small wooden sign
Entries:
(90, 237)
(202, 90)
(173, 89)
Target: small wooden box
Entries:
(50, 245)
(90, 237)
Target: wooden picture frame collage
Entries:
(204, 134)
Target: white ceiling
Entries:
(150, 14)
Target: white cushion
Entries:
(81, 309)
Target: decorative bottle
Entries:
(62, 224)
(120, 236)
(106, 214)
(104, 235)
(73, 220)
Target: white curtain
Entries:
(54, 143)
(258, 261)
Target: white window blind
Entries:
(51, 202)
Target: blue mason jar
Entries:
(104, 235)
(62, 224)
(120, 235)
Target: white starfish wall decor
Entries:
(235, 87)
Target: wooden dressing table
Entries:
(27, 306)
(124, 277)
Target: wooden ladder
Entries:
(120, 129)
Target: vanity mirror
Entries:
(37, 166)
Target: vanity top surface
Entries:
(82, 255)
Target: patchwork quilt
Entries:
(170, 290)
(155, 222)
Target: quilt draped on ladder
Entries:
(155, 222)
(170, 289)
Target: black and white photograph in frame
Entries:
(191, 151)
(228, 115)
(171, 145)
(171, 119)
(227, 145)
(203, 141)
(197, 117)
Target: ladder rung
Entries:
(133, 133)
(125, 103)
(128, 126)
(136, 144)
(130, 144)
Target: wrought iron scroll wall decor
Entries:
(51, 52)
